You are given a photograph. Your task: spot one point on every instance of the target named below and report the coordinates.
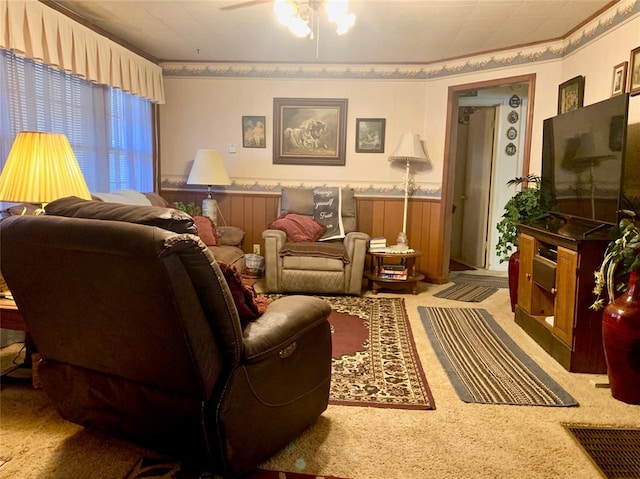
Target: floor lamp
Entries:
(208, 169)
(409, 150)
(40, 168)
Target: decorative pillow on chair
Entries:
(298, 227)
(248, 304)
(327, 210)
(206, 230)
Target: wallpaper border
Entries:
(252, 186)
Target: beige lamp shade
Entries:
(409, 148)
(40, 168)
(208, 169)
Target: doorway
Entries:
(488, 143)
(471, 196)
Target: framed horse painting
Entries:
(309, 131)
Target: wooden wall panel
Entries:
(376, 217)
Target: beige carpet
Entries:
(457, 440)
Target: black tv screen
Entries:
(582, 159)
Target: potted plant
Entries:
(618, 273)
(189, 208)
(527, 205)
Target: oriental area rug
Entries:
(151, 468)
(375, 362)
(484, 364)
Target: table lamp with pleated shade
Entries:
(40, 168)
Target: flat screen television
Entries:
(582, 160)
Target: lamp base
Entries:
(210, 209)
(401, 242)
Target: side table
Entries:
(10, 318)
(408, 260)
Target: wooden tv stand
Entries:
(555, 290)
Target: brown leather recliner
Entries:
(140, 337)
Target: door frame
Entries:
(451, 135)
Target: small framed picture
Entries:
(253, 135)
(370, 135)
(571, 94)
(634, 77)
(619, 81)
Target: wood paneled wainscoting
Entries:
(377, 216)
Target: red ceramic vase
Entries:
(621, 337)
(513, 272)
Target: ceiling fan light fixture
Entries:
(290, 14)
(285, 10)
(344, 24)
(299, 27)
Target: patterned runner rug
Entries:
(482, 280)
(466, 292)
(472, 288)
(484, 364)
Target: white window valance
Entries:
(36, 31)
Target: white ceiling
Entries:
(386, 31)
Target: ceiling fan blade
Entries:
(250, 3)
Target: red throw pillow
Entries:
(298, 227)
(248, 304)
(206, 230)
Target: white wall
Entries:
(205, 112)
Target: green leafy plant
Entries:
(622, 256)
(527, 205)
(189, 208)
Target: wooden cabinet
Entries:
(555, 290)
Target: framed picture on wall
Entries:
(309, 131)
(619, 81)
(370, 135)
(634, 77)
(253, 135)
(571, 94)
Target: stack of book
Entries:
(378, 244)
(393, 271)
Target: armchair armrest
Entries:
(282, 323)
(230, 235)
(273, 242)
(356, 244)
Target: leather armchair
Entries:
(140, 337)
(319, 271)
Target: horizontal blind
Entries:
(110, 131)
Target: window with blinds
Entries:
(110, 131)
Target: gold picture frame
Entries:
(309, 131)
(571, 94)
(634, 72)
(619, 80)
